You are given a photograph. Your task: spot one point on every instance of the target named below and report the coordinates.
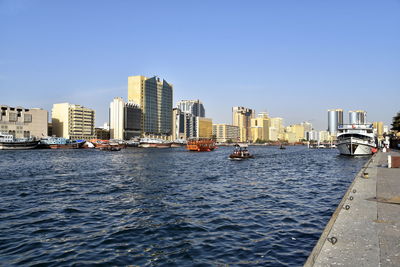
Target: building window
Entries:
(12, 117)
(27, 117)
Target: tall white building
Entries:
(117, 118)
(194, 107)
(335, 118)
(125, 119)
(357, 117)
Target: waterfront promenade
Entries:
(365, 228)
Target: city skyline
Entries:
(325, 56)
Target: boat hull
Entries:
(201, 145)
(18, 145)
(355, 148)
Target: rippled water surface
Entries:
(167, 206)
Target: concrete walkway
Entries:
(365, 228)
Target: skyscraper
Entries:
(241, 117)
(116, 117)
(357, 117)
(194, 107)
(335, 118)
(125, 119)
(73, 121)
(154, 97)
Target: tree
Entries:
(396, 122)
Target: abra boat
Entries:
(240, 152)
(356, 139)
(8, 142)
(201, 145)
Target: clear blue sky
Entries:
(293, 59)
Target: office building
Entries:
(116, 118)
(154, 98)
(297, 130)
(102, 133)
(276, 129)
(132, 121)
(325, 136)
(204, 127)
(22, 122)
(178, 124)
(260, 127)
(335, 118)
(379, 129)
(73, 121)
(357, 117)
(125, 120)
(194, 107)
(226, 133)
(241, 117)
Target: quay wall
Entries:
(325, 236)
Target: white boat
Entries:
(154, 142)
(356, 139)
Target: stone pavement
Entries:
(365, 228)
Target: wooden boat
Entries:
(282, 147)
(200, 145)
(8, 142)
(240, 152)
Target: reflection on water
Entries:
(167, 206)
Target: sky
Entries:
(292, 59)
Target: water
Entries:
(167, 207)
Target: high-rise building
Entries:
(125, 119)
(184, 125)
(276, 129)
(22, 122)
(178, 124)
(378, 127)
(154, 98)
(357, 117)
(194, 107)
(116, 117)
(241, 117)
(225, 132)
(204, 127)
(132, 120)
(73, 121)
(335, 118)
(260, 127)
(297, 130)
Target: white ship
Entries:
(154, 142)
(356, 139)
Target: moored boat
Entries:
(60, 143)
(154, 142)
(178, 143)
(201, 145)
(8, 142)
(356, 139)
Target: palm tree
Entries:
(396, 122)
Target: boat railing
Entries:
(355, 126)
